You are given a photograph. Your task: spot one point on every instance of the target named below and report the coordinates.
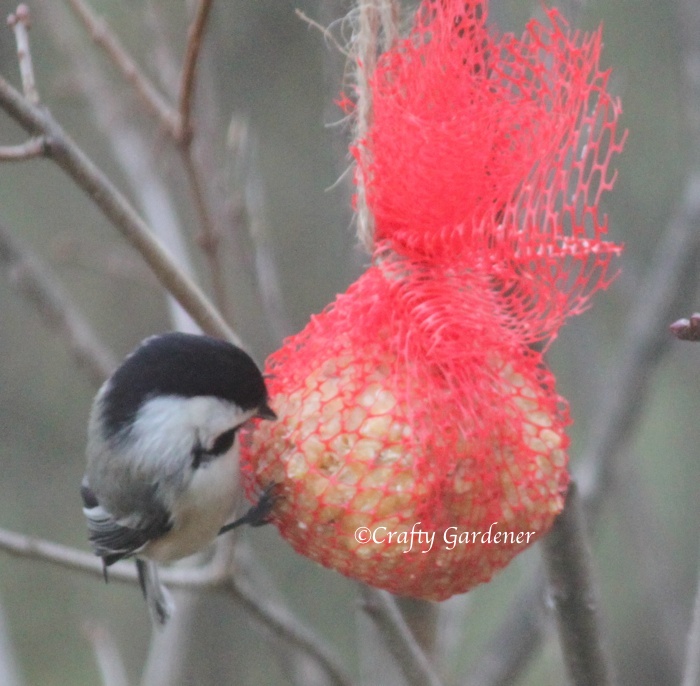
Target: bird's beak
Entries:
(265, 412)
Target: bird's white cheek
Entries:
(199, 513)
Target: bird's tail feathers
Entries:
(159, 601)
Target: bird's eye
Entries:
(223, 442)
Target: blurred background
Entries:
(274, 149)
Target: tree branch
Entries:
(411, 659)
(209, 238)
(691, 673)
(277, 619)
(19, 22)
(64, 151)
(104, 37)
(34, 280)
(571, 587)
(195, 35)
(34, 147)
(215, 575)
(178, 122)
(109, 661)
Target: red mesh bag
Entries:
(420, 443)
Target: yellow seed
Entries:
(313, 448)
(376, 427)
(339, 494)
(351, 473)
(526, 404)
(551, 438)
(394, 503)
(297, 466)
(329, 389)
(330, 427)
(367, 500)
(378, 477)
(540, 418)
(353, 418)
(384, 403)
(366, 449)
(332, 408)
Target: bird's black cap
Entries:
(184, 365)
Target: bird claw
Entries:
(258, 514)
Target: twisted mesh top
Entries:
(493, 152)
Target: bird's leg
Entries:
(258, 514)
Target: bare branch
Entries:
(10, 674)
(209, 239)
(516, 640)
(167, 652)
(104, 37)
(177, 123)
(109, 661)
(571, 587)
(64, 151)
(691, 674)
(19, 22)
(189, 67)
(34, 147)
(212, 576)
(34, 280)
(277, 619)
(382, 609)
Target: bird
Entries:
(162, 475)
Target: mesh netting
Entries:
(401, 405)
(416, 402)
(495, 149)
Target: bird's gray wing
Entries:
(112, 538)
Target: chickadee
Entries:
(162, 454)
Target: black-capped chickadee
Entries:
(162, 454)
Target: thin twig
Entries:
(64, 151)
(178, 122)
(414, 664)
(19, 22)
(32, 148)
(212, 576)
(209, 239)
(10, 673)
(691, 673)
(35, 281)
(129, 148)
(109, 661)
(516, 640)
(195, 35)
(167, 652)
(282, 624)
(104, 37)
(571, 587)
